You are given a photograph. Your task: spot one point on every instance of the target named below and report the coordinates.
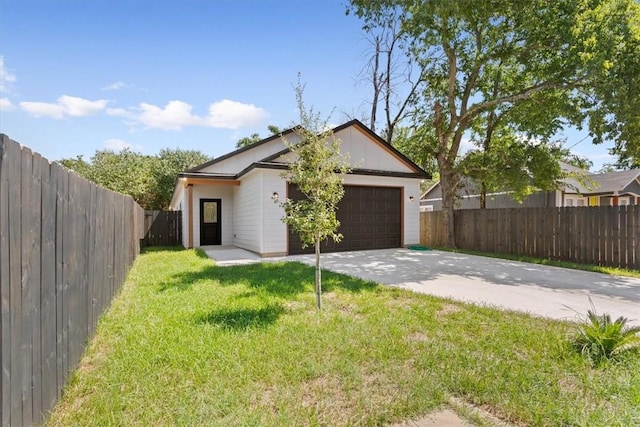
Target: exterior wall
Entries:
(247, 227)
(184, 207)
(223, 192)
(411, 209)
(274, 231)
(363, 153)
(366, 154)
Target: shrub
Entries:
(601, 339)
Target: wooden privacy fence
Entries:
(65, 248)
(605, 235)
(162, 228)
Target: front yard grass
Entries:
(189, 343)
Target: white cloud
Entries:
(175, 115)
(65, 106)
(6, 105)
(117, 86)
(229, 114)
(7, 79)
(118, 144)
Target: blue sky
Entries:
(78, 76)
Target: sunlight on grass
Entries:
(189, 343)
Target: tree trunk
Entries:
(448, 186)
(483, 195)
(448, 178)
(318, 277)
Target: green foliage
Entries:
(169, 163)
(600, 339)
(149, 180)
(318, 171)
(514, 164)
(255, 137)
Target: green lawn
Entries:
(189, 343)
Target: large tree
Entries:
(318, 171)
(149, 180)
(165, 170)
(541, 65)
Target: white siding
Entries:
(411, 220)
(185, 219)
(274, 230)
(247, 226)
(364, 153)
(223, 192)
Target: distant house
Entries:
(605, 189)
(233, 199)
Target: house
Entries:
(233, 199)
(582, 188)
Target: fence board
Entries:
(6, 170)
(27, 285)
(62, 178)
(48, 283)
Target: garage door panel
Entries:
(370, 218)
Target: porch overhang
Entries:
(207, 179)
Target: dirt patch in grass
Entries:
(448, 309)
(418, 337)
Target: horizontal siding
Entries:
(275, 231)
(246, 212)
(365, 154)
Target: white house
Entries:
(232, 200)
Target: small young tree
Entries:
(318, 171)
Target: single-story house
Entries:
(233, 199)
(602, 189)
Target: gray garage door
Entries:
(370, 218)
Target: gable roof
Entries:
(270, 160)
(609, 182)
(242, 150)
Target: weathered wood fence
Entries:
(65, 248)
(605, 235)
(162, 228)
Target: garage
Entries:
(370, 218)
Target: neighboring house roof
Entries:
(606, 183)
(619, 182)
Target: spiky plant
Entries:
(599, 338)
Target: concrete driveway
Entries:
(536, 289)
(540, 290)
